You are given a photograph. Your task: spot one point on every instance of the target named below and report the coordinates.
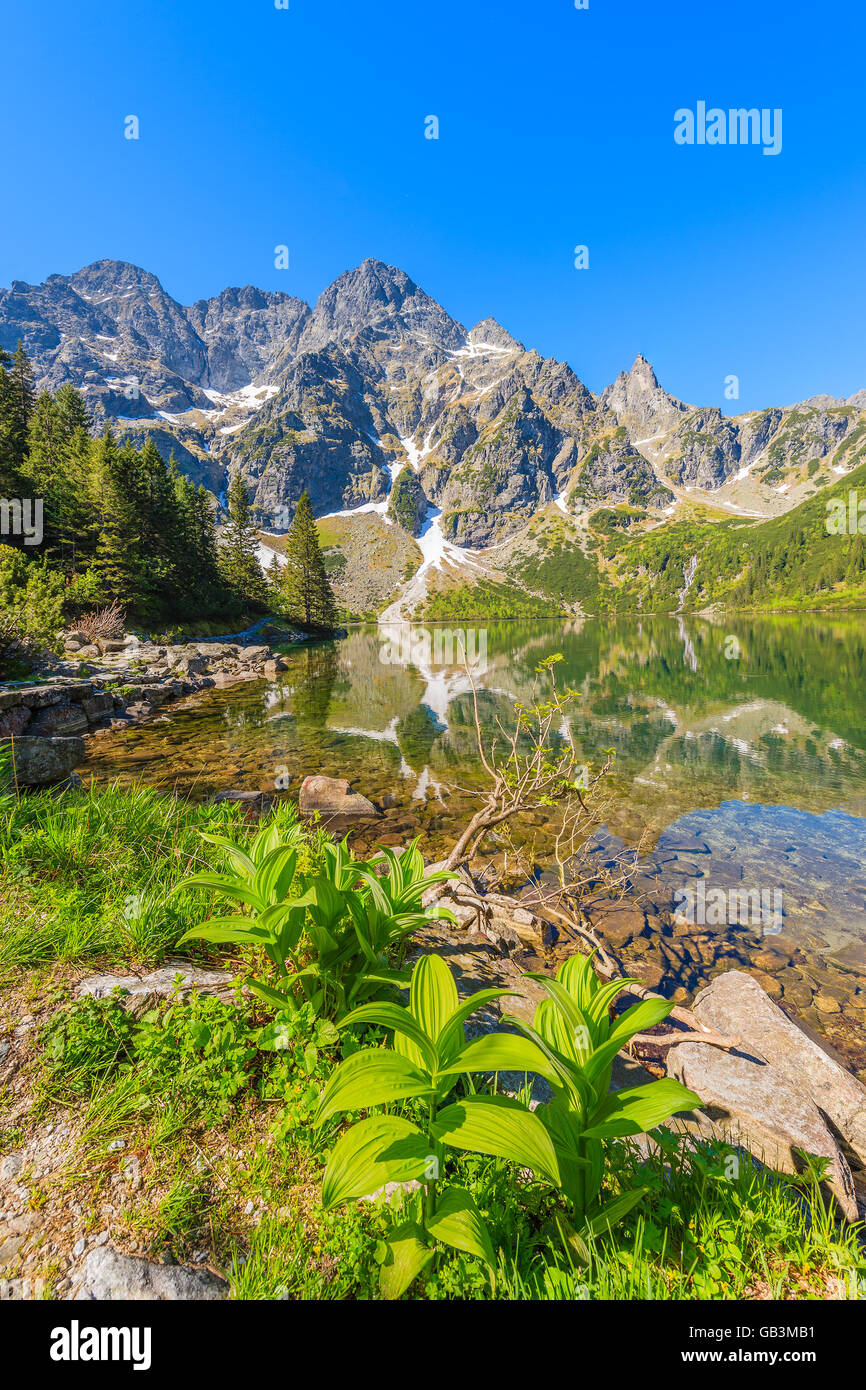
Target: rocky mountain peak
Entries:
(111, 280)
(379, 296)
(643, 374)
(490, 333)
(638, 401)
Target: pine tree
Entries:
(10, 470)
(118, 560)
(239, 561)
(306, 593)
(21, 401)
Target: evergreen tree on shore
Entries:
(239, 561)
(306, 593)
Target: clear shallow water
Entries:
(740, 760)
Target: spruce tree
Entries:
(306, 592)
(239, 561)
(21, 402)
(10, 459)
(119, 561)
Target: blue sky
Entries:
(305, 127)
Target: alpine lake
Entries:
(739, 771)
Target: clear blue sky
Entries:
(305, 127)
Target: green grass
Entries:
(236, 1169)
(221, 1131)
(87, 874)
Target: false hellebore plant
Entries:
(328, 935)
(572, 1044)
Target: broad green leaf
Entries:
(432, 994)
(239, 858)
(278, 866)
(407, 1257)
(394, 1016)
(502, 1052)
(570, 1078)
(452, 1036)
(383, 1148)
(228, 887)
(280, 999)
(637, 1109)
(501, 1127)
(567, 1007)
(374, 1076)
(600, 1219)
(458, 1222)
(227, 929)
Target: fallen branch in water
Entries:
(534, 766)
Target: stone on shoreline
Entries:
(330, 796)
(40, 761)
(781, 1089)
(735, 1003)
(109, 1275)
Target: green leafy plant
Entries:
(84, 1044)
(576, 1041)
(200, 1050)
(428, 1056)
(263, 879)
(304, 1050)
(330, 935)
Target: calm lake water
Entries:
(740, 767)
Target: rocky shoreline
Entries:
(781, 1090)
(100, 687)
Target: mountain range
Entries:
(375, 398)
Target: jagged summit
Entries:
(333, 398)
(490, 332)
(376, 295)
(638, 401)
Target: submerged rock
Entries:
(330, 796)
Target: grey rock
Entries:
(160, 982)
(98, 705)
(330, 796)
(39, 761)
(736, 1004)
(60, 721)
(11, 1166)
(112, 1276)
(754, 1105)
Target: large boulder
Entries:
(780, 1090)
(42, 760)
(251, 656)
(111, 1276)
(330, 796)
(735, 1003)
